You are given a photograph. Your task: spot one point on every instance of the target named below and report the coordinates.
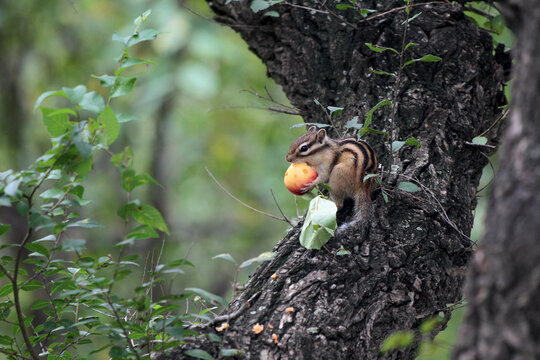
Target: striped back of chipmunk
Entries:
(365, 160)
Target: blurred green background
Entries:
(187, 120)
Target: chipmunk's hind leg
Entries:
(346, 213)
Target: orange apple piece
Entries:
(297, 175)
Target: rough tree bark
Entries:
(503, 292)
(408, 264)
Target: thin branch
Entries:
(269, 98)
(240, 201)
(121, 324)
(443, 212)
(492, 171)
(501, 117)
(230, 316)
(480, 145)
(279, 208)
(269, 108)
(478, 11)
(11, 353)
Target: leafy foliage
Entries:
(79, 303)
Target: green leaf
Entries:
(143, 17)
(430, 324)
(344, 6)
(208, 296)
(271, 13)
(425, 58)
(132, 62)
(265, 256)
(117, 352)
(144, 35)
(122, 118)
(12, 187)
(353, 123)
(379, 72)
(40, 304)
(411, 18)
(225, 256)
(110, 125)
(40, 249)
(397, 145)
(142, 232)
(178, 332)
(430, 58)
(73, 245)
(4, 201)
(366, 12)
(33, 285)
(319, 125)
(122, 86)
(52, 193)
(230, 352)
(378, 48)
(123, 159)
(75, 94)
(130, 181)
(85, 223)
(369, 176)
(412, 142)
(6, 340)
(199, 354)
(6, 290)
(56, 122)
(334, 110)
(342, 251)
(397, 340)
(92, 101)
(4, 228)
(409, 45)
(481, 140)
(408, 186)
(319, 224)
(46, 95)
(259, 5)
(77, 191)
(149, 215)
(81, 140)
(369, 114)
(105, 80)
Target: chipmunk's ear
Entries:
(312, 129)
(321, 135)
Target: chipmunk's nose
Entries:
(288, 157)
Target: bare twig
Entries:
(240, 201)
(279, 208)
(443, 212)
(492, 171)
(478, 11)
(230, 316)
(480, 145)
(501, 117)
(269, 108)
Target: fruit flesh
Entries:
(298, 175)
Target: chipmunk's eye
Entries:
(304, 148)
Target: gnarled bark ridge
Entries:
(407, 265)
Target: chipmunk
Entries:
(342, 164)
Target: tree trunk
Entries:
(503, 292)
(408, 264)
